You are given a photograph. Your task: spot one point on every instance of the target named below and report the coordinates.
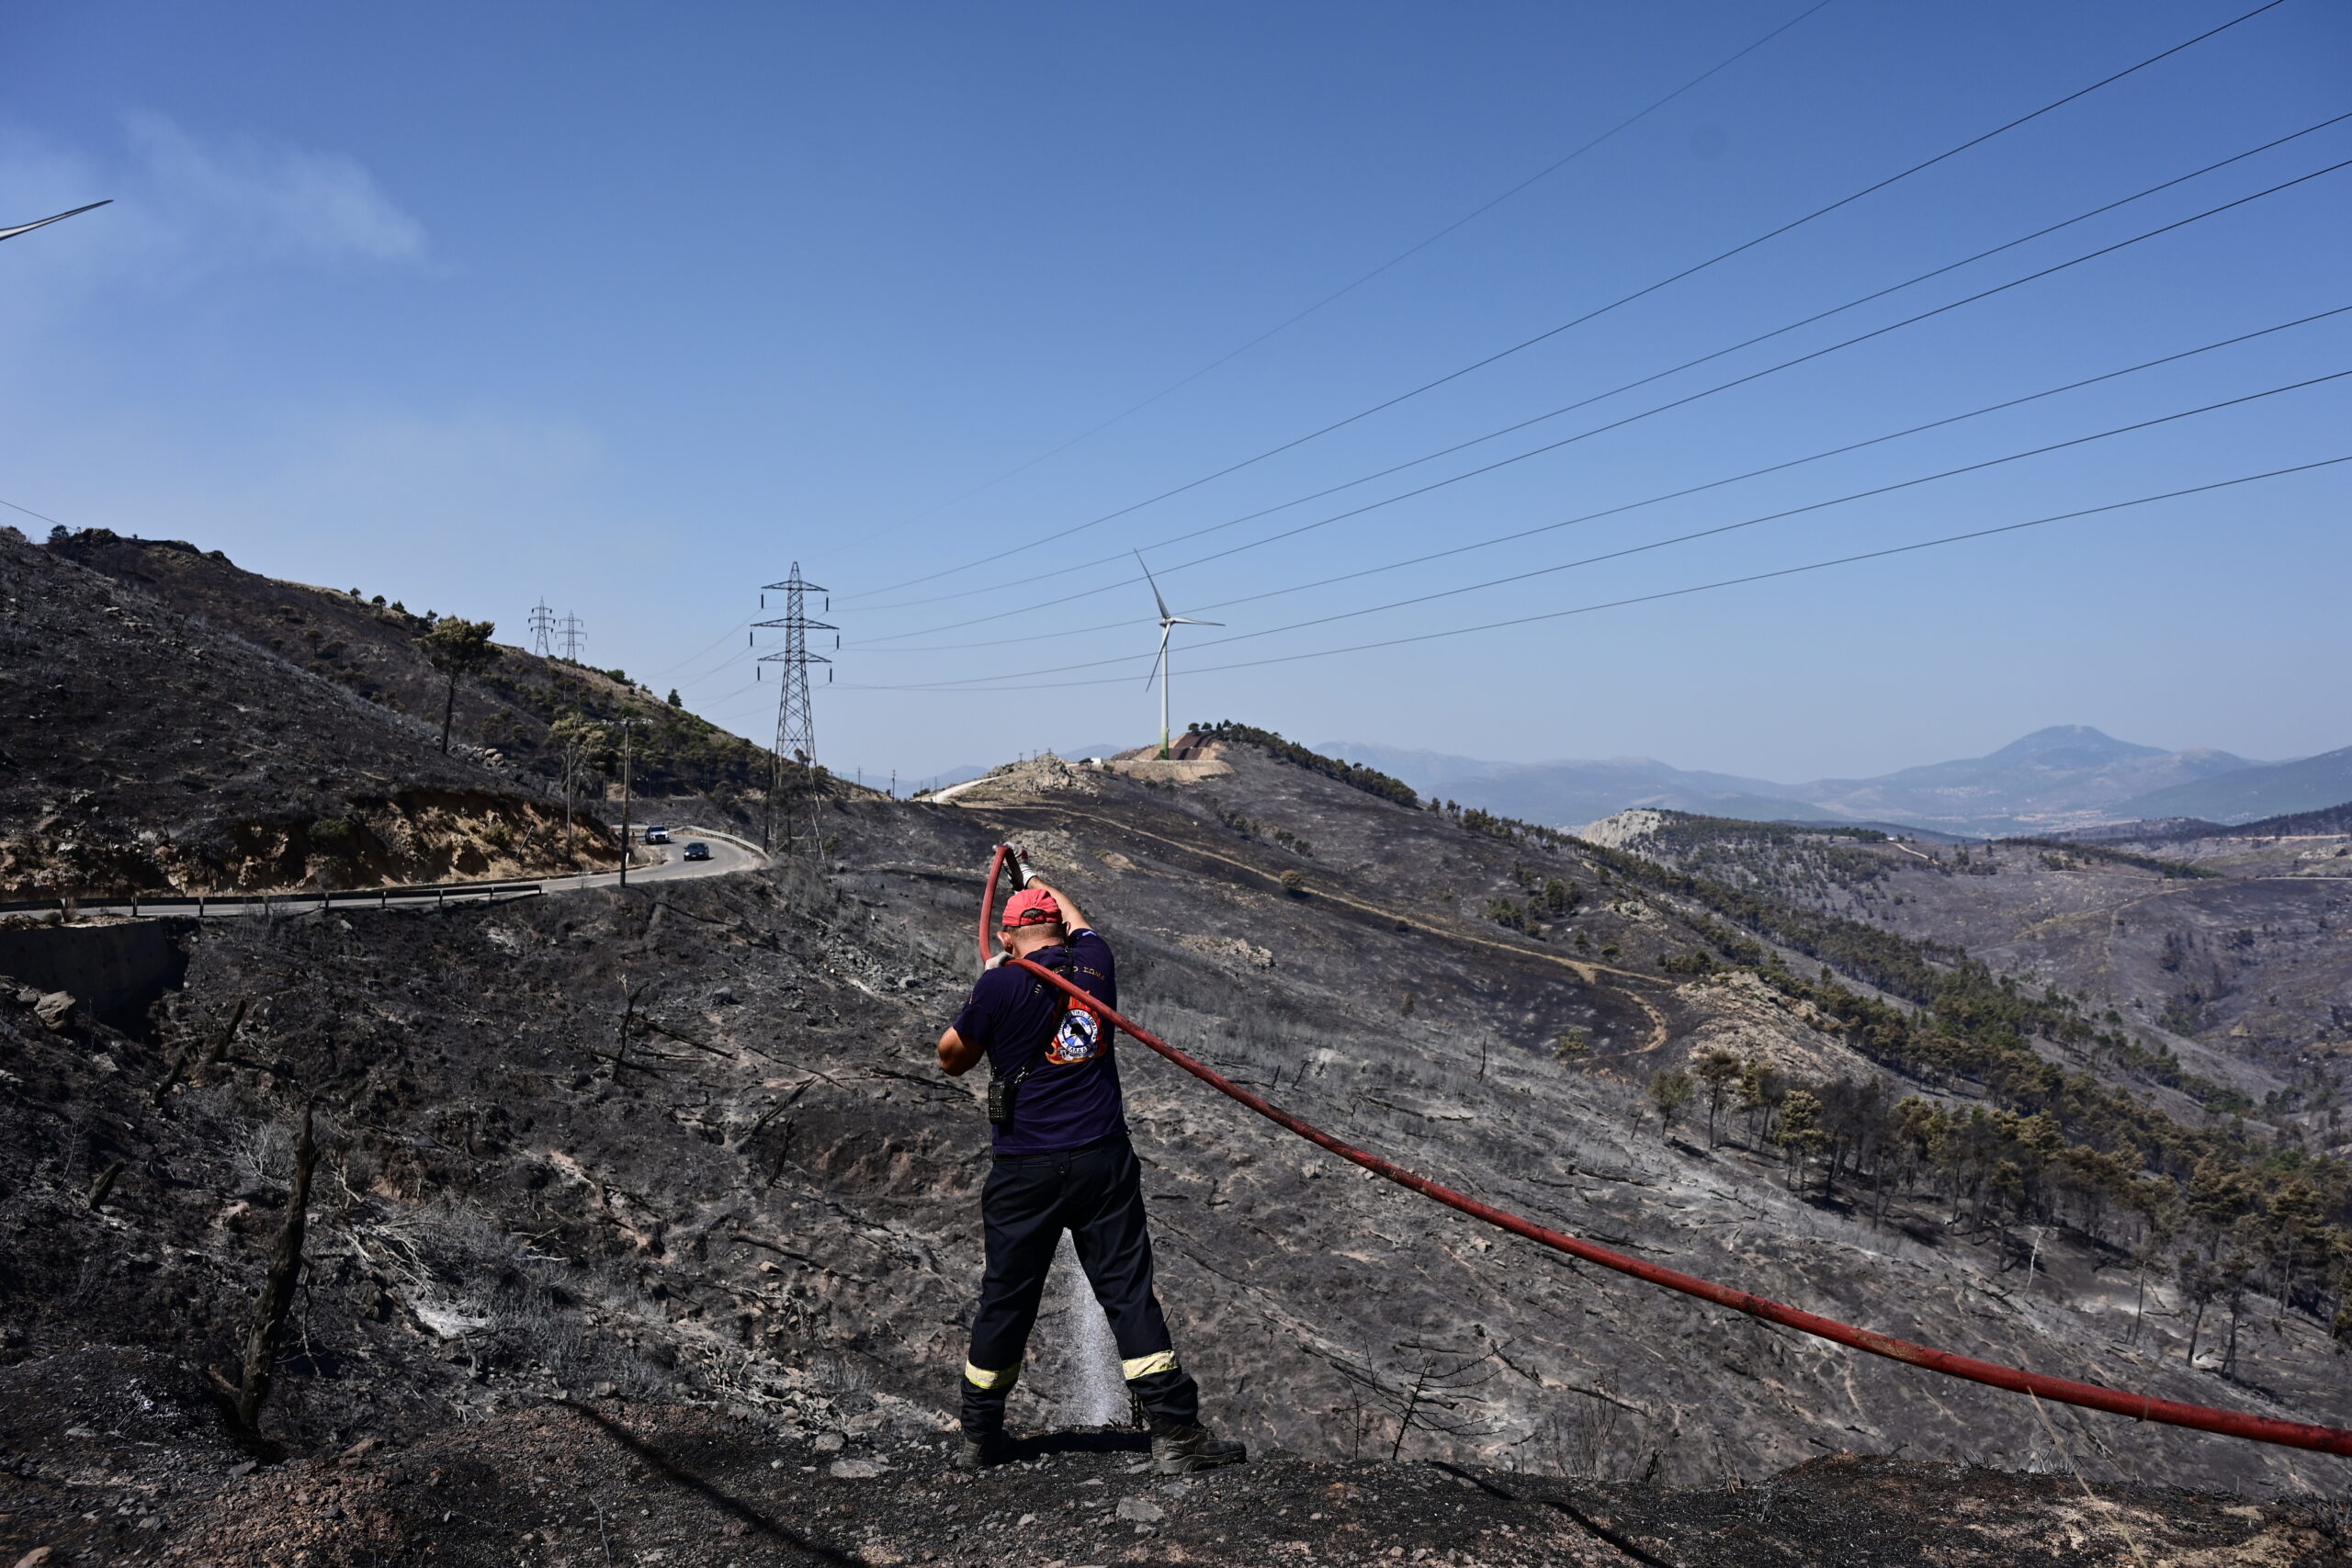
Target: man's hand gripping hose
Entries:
(1022, 876)
(2091, 1396)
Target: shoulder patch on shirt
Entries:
(1077, 1039)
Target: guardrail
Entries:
(735, 838)
(203, 904)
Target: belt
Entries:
(1034, 1157)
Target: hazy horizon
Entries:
(1689, 766)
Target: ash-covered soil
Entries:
(592, 1482)
(647, 1200)
(145, 750)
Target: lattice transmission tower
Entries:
(567, 631)
(793, 768)
(542, 630)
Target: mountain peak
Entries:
(2078, 741)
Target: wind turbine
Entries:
(1160, 665)
(28, 228)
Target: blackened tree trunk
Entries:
(277, 1290)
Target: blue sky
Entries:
(632, 309)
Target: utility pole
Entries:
(542, 629)
(568, 630)
(627, 725)
(796, 723)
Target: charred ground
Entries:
(644, 1219)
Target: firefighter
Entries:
(1062, 1162)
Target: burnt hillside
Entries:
(2220, 947)
(145, 749)
(369, 647)
(631, 1206)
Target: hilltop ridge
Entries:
(370, 648)
(148, 750)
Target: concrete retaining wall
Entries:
(117, 971)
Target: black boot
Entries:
(1181, 1451)
(983, 1453)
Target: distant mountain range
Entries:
(2064, 777)
(2313, 784)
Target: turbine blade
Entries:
(1155, 586)
(1159, 660)
(28, 228)
(1188, 621)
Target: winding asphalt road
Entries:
(727, 855)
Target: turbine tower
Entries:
(1160, 666)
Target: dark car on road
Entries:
(697, 850)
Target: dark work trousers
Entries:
(1096, 1195)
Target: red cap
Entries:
(1035, 907)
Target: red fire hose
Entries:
(2204, 1418)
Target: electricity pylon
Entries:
(542, 629)
(796, 721)
(1168, 623)
(568, 630)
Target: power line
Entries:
(1687, 490)
(30, 512)
(1343, 290)
(1624, 386)
(1664, 593)
(1791, 512)
(1061, 534)
(704, 653)
(1769, 370)
(1722, 528)
(1596, 397)
(1689, 397)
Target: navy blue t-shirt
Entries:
(1073, 1096)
